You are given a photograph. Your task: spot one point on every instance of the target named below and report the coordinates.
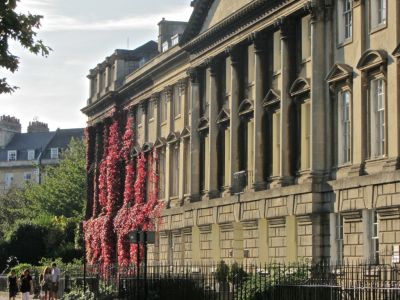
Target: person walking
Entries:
(46, 284)
(12, 285)
(55, 278)
(26, 285)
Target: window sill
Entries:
(177, 117)
(276, 73)
(344, 165)
(345, 42)
(376, 159)
(151, 120)
(305, 60)
(378, 27)
(164, 123)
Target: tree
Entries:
(22, 29)
(11, 210)
(63, 191)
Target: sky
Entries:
(81, 33)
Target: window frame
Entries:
(53, 153)
(377, 147)
(12, 155)
(344, 31)
(344, 155)
(31, 154)
(26, 179)
(8, 180)
(374, 16)
(339, 237)
(375, 245)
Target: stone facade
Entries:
(300, 96)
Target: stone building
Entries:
(277, 128)
(24, 156)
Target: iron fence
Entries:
(236, 282)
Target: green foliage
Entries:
(79, 295)
(11, 208)
(63, 192)
(257, 286)
(26, 242)
(222, 272)
(236, 273)
(19, 269)
(22, 29)
(46, 218)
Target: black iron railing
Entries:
(223, 282)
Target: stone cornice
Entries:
(239, 21)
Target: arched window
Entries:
(340, 83)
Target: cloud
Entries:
(54, 22)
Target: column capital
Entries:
(182, 84)
(234, 51)
(211, 63)
(168, 92)
(258, 38)
(193, 73)
(143, 105)
(155, 97)
(286, 25)
(316, 11)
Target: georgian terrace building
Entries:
(302, 97)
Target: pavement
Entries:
(3, 296)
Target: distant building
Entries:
(23, 155)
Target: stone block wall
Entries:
(251, 243)
(226, 243)
(353, 240)
(389, 235)
(304, 239)
(277, 240)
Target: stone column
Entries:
(155, 99)
(182, 173)
(145, 121)
(286, 27)
(195, 137)
(213, 130)
(259, 41)
(170, 113)
(234, 108)
(184, 102)
(167, 187)
(318, 99)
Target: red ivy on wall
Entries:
(139, 209)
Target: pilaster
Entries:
(213, 130)
(170, 114)
(259, 41)
(195, 138)
(287, 32)
(234, 109)
(317, 93)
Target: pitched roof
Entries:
(199, 14)
(41, 142)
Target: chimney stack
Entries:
(37, 126)
(9, 126)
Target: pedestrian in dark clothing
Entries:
(12, 285)
(26, 283)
